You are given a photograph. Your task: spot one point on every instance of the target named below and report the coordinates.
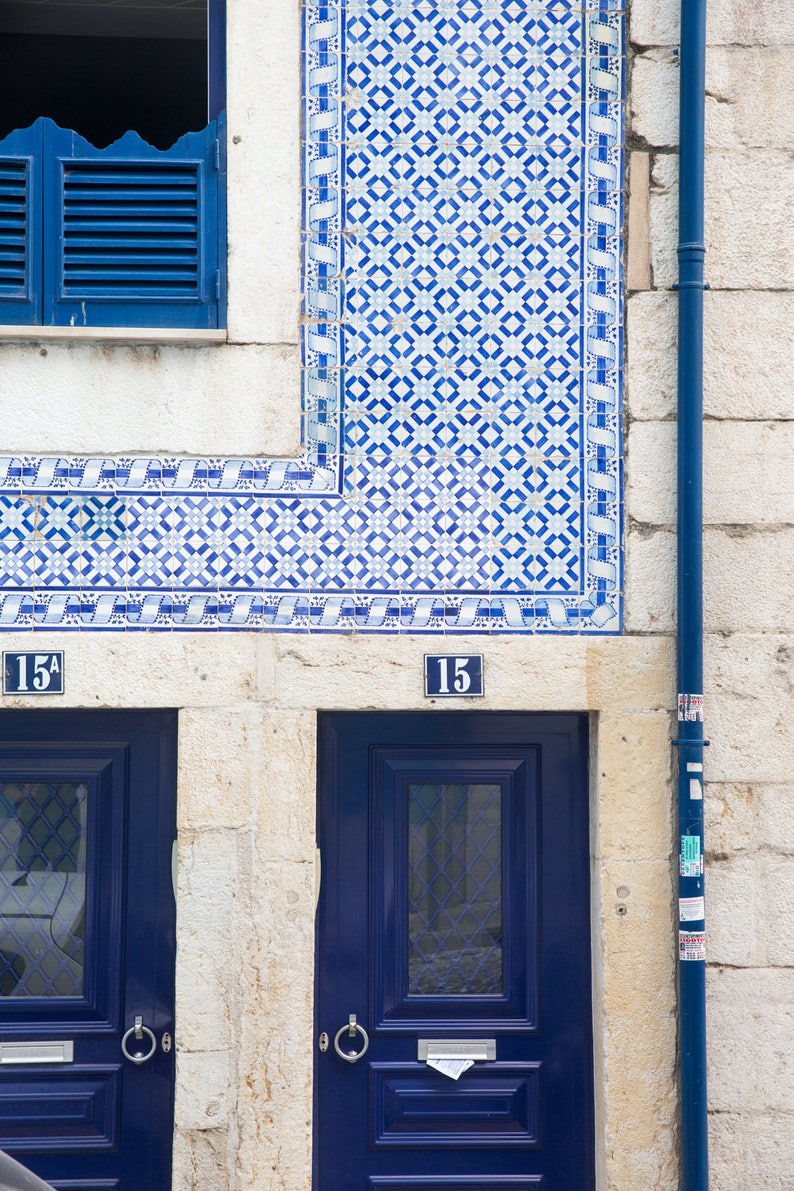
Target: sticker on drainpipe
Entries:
(690, 707)
(691, 909)
(695, 788)
(691, 858)
(691, 944)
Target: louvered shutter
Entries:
(131, 233)
(20, 224)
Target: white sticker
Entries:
(690, 708)
(691, 944)
(454, 1068)
(692, 909)
(695, 788)
(694, 767)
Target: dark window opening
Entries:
(99, 226)
(104, 69)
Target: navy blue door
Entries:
(87, 824)
(454, 925)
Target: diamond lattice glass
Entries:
(455, 889)
(42, 888)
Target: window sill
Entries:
(132, 335)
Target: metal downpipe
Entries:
(692, 924)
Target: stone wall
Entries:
(246, 889)
(749, 508)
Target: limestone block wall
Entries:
(247, 875)
(749, 369)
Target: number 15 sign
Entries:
(452, 675)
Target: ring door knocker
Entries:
(137, 1031)
(351, 1029)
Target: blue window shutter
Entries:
(131, 232)
(20, 226)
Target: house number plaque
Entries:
(34, 673)
(453, 675)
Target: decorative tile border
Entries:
(462, 355)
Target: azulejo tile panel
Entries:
(461, 381)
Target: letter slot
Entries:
(478, 1050)
(36, 1052)
(453, 1056)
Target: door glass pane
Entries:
(455, 889)
(42, 888)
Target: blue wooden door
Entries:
(453, 924)
(87, 824)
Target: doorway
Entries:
(87, 946)
(453, 1047)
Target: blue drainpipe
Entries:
(692, 924)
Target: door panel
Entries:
(87, 822)
(454, 907)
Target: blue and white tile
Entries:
(452, 274)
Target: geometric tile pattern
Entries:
(461, 380)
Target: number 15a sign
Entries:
(453, 675)
(33, 673)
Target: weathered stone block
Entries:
(286, 786)
(218, 763)
(651, 371)
(638, 263)
(748, 354)
(747, 190)
(748, 683)
(203, 1089)
(654, 97)
(651, 473)
(634, 775)
(730, 22)
(747, 468)
(748, 579)
(650, 581)
(750, 1149)
(732, 913)
(749, 97)
(201, 1160)
(775, 817)
(149, 669)
(277, 981)
(628, 674)
(635, 1024)
(664, 223)
(729, 814)
(544, 673)
(654, 22)
(208, 964)
(777, 876)
(751, 1039)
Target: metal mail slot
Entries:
(36, 1052)
(474, 1049)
